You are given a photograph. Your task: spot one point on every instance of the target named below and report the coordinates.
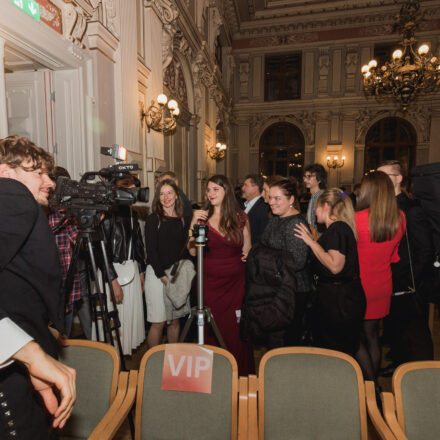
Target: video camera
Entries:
(102, 195)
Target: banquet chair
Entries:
(101, 389)
(187, 415)
(412, 411)
(308, 393)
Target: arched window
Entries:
(282, 150)
(390, 139)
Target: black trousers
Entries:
(22, 414)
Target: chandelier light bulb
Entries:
(397, 54)
(372, 64)
(423, 49)
(328, 157)
(343, 157)
(218, 145)
(367, 74)
(433, 60)
(176, 111)
(335, 157)
(172, 104)
(365, 68)
(162, 99)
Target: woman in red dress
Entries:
(224, 268)
(380, 227)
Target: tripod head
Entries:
(200, 233)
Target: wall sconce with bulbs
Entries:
(334, 162)
(161, 117)
(218, 151)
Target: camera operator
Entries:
(65, 238)
(30, 298)
(126, 248)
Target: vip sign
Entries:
(187, 368)
(30, 7)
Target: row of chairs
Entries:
(299, 393)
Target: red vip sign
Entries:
(187, 368)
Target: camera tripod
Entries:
(201, 312)
(89, 233)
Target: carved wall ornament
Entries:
(111, 17)
(244, 78)
(351, 68)
(174, 80)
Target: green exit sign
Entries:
(31, 7)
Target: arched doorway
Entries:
(390, 139)
(282, 150)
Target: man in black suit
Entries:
(30, 298)
(254, 205)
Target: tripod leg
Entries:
(211, 321)
(98, 296)
(187, 326)
(114, 314)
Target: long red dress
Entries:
(374, 266)
(223, 285)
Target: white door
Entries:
(29, 106)
(68, 116)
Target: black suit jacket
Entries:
(30, 277)
(258, 218)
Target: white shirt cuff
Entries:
(13, 339)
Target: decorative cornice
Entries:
(321, 16)
(101, 39)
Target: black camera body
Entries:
(99, 196)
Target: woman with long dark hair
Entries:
(340, 299)
(380, 227)
(166, 231)
(224, 268)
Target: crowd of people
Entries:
(277, 271)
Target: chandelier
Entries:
(411, 71)
(218, 151)
(161, 117)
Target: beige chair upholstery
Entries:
(413, 410)
(164, 414)
(101, 389)
(309, 393)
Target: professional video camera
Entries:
(99, 195)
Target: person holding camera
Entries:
(127, 254)
(30, 298)
(224, 268)
(166, 232)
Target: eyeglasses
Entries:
(395, 175)
(308, 176)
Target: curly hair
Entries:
(16, 150)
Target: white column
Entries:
(3, 108)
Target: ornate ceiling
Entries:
(258, 17)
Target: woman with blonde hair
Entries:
(380, 226)
(340, 300)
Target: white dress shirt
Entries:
(13, 338)
(248, 204)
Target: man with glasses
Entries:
(406, 329)
(315, 179)
(29, 299)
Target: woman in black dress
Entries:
(340, 303)
(166, 232)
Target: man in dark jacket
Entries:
(254, 205)
(407, 328)
(29, 296)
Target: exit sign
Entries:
(30, 7)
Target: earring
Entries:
(290, 205)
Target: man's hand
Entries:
(45, 373)
(117, 290)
